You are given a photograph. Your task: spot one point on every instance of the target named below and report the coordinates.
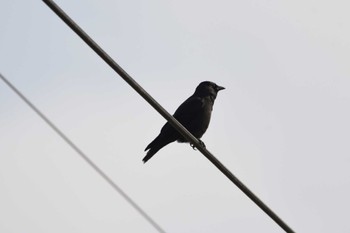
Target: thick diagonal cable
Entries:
(186, 134)
(84, 156)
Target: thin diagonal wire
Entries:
(84, 156)
(180, 128)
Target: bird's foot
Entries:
(200, 142)
(193, 146)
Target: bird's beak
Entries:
(218, 88)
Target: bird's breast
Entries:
(201, 122)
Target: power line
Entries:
(84, 156)
(181, 129)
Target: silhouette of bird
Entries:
(194, 114)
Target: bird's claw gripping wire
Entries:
(200, 142)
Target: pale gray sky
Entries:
(282, 124)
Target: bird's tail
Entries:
(157, 144)
(150, 154)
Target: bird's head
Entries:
(208, 88)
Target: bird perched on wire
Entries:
(194, 114)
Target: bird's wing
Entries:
(189, 110)
(186, 113)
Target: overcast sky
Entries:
(281, 126)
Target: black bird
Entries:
(194, 114)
